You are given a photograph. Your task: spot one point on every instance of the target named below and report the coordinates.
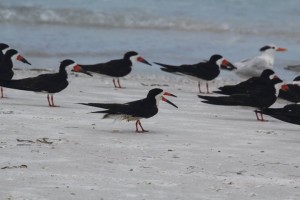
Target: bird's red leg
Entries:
(143, 130)
(199, 87)
(119, 83)
(262, 118)
(114, 83)
(257, 116)
(52, 100)
(136, 126)
(48, 98)
(207, 89)
(2, 92)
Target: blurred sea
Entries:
(168, 31)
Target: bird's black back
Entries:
(204, 70)
(114, 68)
(289, 113)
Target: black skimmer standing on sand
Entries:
(254, 66)
(6, 65)
(116, 68)
(135, 110)
(46, 83)
(293, 93)
(248, 85)
(260, 98)
(203, 71)
(289, 113)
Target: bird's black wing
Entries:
(243, 87)
(169, 68)
(233, 100)
(199, 70)
(112, 68)
(289, 113)
(40, 83)
(115, 108)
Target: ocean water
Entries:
(169, 31)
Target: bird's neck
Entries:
(63, 72)
(277, 88)
(269, 56)
(6, 63)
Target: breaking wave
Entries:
(137, 19)
(76, 17)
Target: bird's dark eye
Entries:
(273, 47)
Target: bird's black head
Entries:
(154, 92)
(296, 81)
(267, 47)
(267, 73)
(297, 78)
(221, 62)
(133, 56)
(65, 63)
(215, 58)
(157, 94)
(3, 46)
(129, 54)
(11, 52)
(271, 48)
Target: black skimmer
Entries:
(254, 66)
(260, 98)
(289, 113)
(135, 110)
(116, 68)
(6, 65)
(203, 71)
(46, 83)
(293, 93)
(248, 85)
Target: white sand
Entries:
(198, 151)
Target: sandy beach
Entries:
(197, 151)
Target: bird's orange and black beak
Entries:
(166, 100)
(227, 65)
(142, 60)
(22, 59)
(77, 68)
(281, 49)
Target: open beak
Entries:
(166, 100)
(22, 59)
(141, 59)
(77, 68)
(169, 94)
(169, 102)
(281, 49)
(227, 65)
